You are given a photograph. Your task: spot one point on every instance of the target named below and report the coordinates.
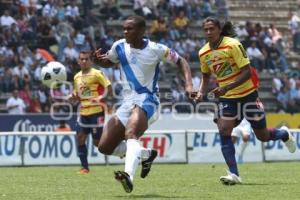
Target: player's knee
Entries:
(224, 130)
(130, 134)
(104, 149)
(262, 138)
(81, 139)
(96, 142)
(246, 138)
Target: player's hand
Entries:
(72, 97)
(219, 91)
(96, 100)
(189, 91)
(99, 55)
(199, 96)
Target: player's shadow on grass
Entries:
(279, 183)
(148, 196)
(251, 184)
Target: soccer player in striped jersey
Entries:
(138, 59)
(225, 58)
(89, 88)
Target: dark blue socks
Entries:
(228, 151)
(278, 134)
(82, 153)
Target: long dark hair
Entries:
(227, 29)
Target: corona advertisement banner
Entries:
(278, 120)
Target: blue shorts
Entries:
(91, 124)
(249, 107)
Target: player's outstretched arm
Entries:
(185, 69)
(203, 85)
(102, 59)
(242, 77)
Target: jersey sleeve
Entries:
(75, 89)
(102, 79)
(239, 55)
(165, 53)
(203, 65)
(112, 53)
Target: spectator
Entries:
(193, 9)
(87, 6)
(141, 8)
(6, 80)
(159, 28)
(15, 105)
(61, 11)
(35, 105)
(181, 23)
(26, 94)
(110, 10)
(45, 33)
(63, 33)
(241, 32)
(6, 20)
(222, 9)
(276, 85)
(273, 60)
(207, 9)
(21, 75)
(257, 59)
(275, 34)
(43, 98)
(176, 6)
(70, 52)
(72, 10)
(294, 26)
(49, 10)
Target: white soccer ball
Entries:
(53, 74)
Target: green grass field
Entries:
(194, 181)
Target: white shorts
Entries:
(243, 128)
(148, 102)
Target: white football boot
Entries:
(230, 179)
(290, 143)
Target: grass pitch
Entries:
(185, 181)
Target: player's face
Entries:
(131, 31)
(211, 31)
(84, 61)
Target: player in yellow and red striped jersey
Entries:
(89, 88)
(225, 58)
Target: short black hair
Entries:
(90, 53)
(139, 21)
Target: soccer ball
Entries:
(53, 74)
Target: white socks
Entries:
(133, 156)
(145, 153)
(120, 150)
(242, 148)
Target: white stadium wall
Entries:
(192, 140)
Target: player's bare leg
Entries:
(283, 134)
(112, 137)
(136, 126)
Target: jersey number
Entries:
(243, 51)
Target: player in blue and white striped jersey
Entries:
(138, 59)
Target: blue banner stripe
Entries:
(128, 71)
(150, 105)
(155, 79)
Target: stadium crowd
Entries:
(37, 31)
